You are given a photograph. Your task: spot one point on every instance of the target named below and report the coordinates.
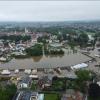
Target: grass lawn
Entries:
(51, 96)
(33, 86)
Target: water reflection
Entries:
(37, 58)
(60, 56)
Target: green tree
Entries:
(83, 39)
(82, 77)
(35, 50)
(7, 92)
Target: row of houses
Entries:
(33, 72)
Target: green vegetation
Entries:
(19, 56)
(56, 52)
(7, 92)
(43, 39)
(72, 45)
(80, 83)
(35, 50)
(60, 37)
(16, 38)
(52, 96)
(83, 39)
(58, 84)
(83, 75)
(33, 86)
(52, 51)
(4, 78)
(46, 51)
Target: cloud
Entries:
(49, 10)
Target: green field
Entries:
(51, 96)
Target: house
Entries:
(27, 71)
(69, 95)
(28, 95)
(16, 71)
(5, 72)
(55, 45)
(45, 81)
(34, 41)
(24, 82)
(34, 71)
(35, 77)
(72, 95)
(58, 70)
(71, 76)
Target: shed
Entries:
(5, 72)
(78, 66)
(27, 71)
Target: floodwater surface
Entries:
(50, 61)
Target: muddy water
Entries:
(50, 61)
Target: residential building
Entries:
(28, 95)
(25, 82)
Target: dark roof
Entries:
(15, 96)
(26, 80)
(46, 79)
(24, 95)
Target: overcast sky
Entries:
(49, 10)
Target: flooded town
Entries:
(49, 59)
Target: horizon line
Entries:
(56, 21)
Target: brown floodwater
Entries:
(49, 61)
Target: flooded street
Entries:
(50, 61)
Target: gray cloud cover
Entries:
(49, 10)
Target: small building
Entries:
(56, 45)
(58, 70)
(71, 76)
(3, 59)
(18, 53)
(79, 66)
(5, 72)
(16, 71)
(24, 82)
(34, 71)
(28, 95)
(34, 41)
(72, 95)
(34, 76)
(45, 81)
(98, 83)
(27, 71)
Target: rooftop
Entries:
(25, 80)
(28, 95)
